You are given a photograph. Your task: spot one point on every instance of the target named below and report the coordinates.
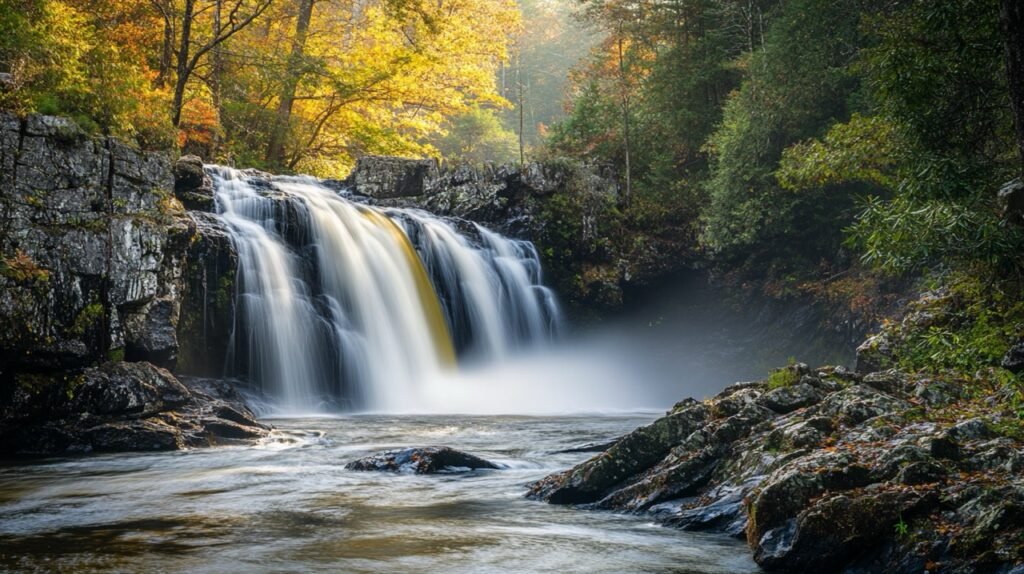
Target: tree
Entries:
(192, 46)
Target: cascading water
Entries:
(348, 305)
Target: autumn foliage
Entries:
(303, 85)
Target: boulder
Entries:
(192, 186)
(383, 177)
(426, 460)
(788, 399)
(1013, 361)
(121, 407)
(1011, 202)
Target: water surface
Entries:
(288, 505)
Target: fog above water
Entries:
(683, 341)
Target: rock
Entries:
(921, 472)
(968, 430)
(1013, 360)
(834, 530)
(600, 446)
(208, 294)
(427, 460)
(634, 453)
(132, 435)
(121, 407)
(1011, 201)
(91, 253)
(788, 399)
(391, 177)
(874, 354)
(192, 186)
(134, 389)
(889, 381)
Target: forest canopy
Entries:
(785, 140)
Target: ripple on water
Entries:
(288, 504)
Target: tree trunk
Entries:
(183, 65)
(217, 73)
(625, 123)
(275, 148)
(167, 49)
(519, 85)
(1011, 13)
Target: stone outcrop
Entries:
(120, 407)
(832, 471)
(100, 262)
(192, 186)
(92, 249)
(382, 177)
(426, 460)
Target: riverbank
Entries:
(831, 469)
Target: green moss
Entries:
(225, 292)
(115, 355)
(72, 385)
(784, 377)
(33, 383)
(86, 318)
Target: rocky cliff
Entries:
(99, 263)
(831, 470)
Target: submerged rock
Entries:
(426, 460)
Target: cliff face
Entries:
(99, 262)
(93, 248)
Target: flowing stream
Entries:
(435, 331)
(288, 505)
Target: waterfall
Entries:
(346, 305)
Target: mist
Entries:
(681, 341)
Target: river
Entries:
(289, 505)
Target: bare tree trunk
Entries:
(275, 148)
(519, 85)
(628, 198)
(217, 72)
(167, 48)
(183, 59)
(1011, 14)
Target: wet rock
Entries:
(634, 453)
(121, 407)
(207, 299)
(427, 460)
(788, 399)
(192, 186)
(590, 447)
(133, 435)
(136, 389)
(834, 530)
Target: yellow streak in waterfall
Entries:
(429, 301)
